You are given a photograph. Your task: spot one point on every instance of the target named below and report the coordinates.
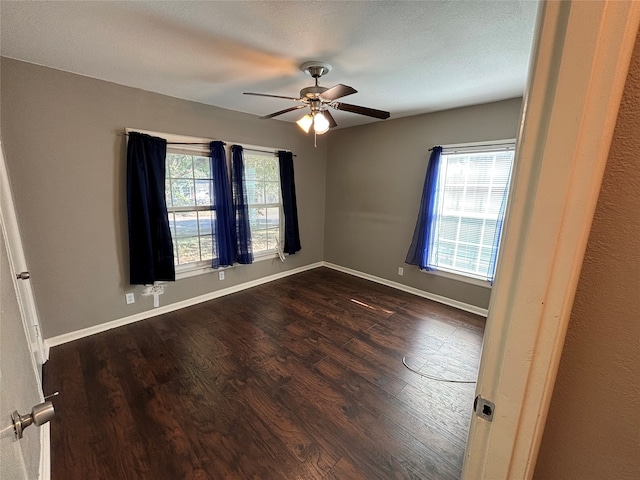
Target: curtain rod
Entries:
(506, 144)
(176, 143)
(206, 144)
(263, 151)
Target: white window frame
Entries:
(204, 266)
(470, 148)
(194, 150)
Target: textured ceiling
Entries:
(407, 57)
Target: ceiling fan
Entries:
(319, 99)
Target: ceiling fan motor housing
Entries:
(312, 92)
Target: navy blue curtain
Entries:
(240, 206)
(287, 185)
(424, 233)
(223, 224)
(150, 247)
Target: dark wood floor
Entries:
(301, 378)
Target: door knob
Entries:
(23, 276)
(40, 414)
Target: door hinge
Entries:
(484, 408)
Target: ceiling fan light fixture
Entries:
(320, 123)
(305, 123)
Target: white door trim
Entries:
(579, 66)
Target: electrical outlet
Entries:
(221, 275)
(400, 271)
(130, 298)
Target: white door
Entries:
(20, 358)
(18, 264)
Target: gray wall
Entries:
(375, 175)
(593, 427)
(66, 164)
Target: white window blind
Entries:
(473, 180)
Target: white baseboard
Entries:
(415, 291)
(103, 327)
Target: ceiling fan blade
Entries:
(332, 121)
(338, 91)
(286, 110)
(369, 112)
(272, 96)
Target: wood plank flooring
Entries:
(301, 378)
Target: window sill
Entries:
(460, 278)
(196, 270)
(203, 269)
(265, 256)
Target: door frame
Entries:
(578, 70)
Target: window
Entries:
(189, 198)
(470, 201)
(189, 205)
(262, 176)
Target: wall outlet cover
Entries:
(130, 298)
(400, 271)
(221, 275)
